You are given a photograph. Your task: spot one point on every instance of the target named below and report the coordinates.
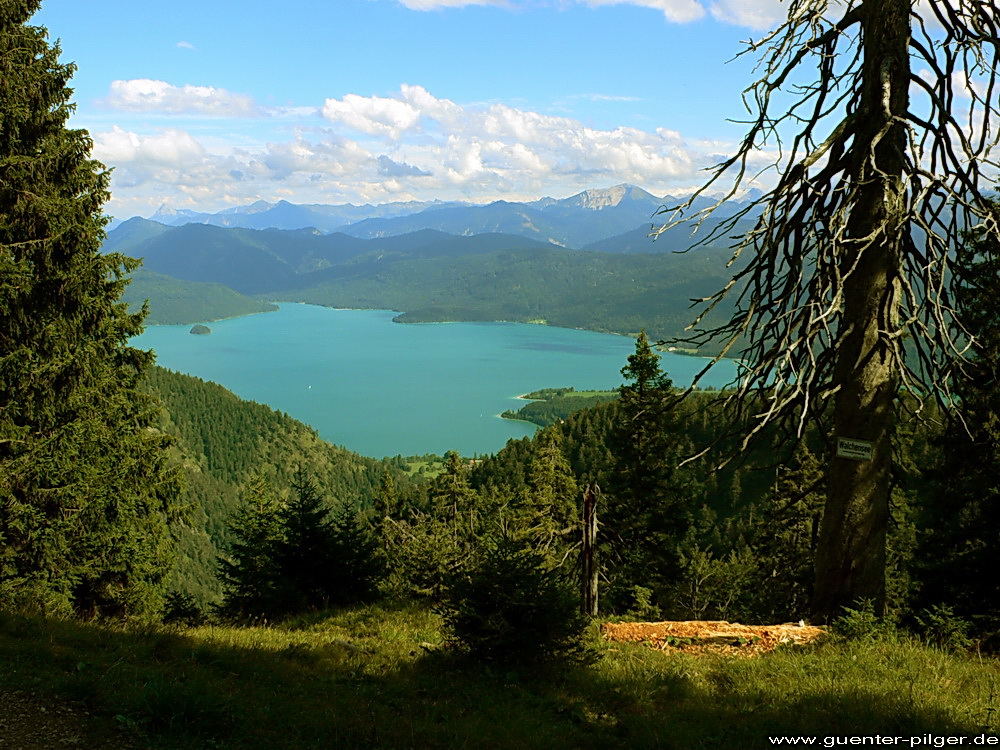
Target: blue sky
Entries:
(211, 104)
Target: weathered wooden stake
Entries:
(588, 553)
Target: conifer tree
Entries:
(249, 573)
(646, 450)
(644, 434)
(961, 542)
(549, 509)
(784, 531)
(647, 508)
(356, 566)
(85, 495)
(303, 555)
(324, 556)
(884, 118)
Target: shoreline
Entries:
(398, 313)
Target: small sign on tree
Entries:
(856, 450)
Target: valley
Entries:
(594, 266)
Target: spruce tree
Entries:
(647, 509)
(645, 436)
(250, 572)
(783, 533)
(303, 556)
(357, 567)
(85, 495)
(548, 512)
(960, 544)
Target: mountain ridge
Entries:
(588, 216)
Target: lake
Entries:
(382, 389)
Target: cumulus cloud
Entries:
(676, 11)
(374, 115)
(408, 145)
(474, 143)
(146, 95)
(755, 14)
(170, 147)
(390, 168)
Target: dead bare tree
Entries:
(889, 154)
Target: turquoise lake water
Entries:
(381, 388)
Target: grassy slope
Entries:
(365, 678)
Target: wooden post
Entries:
(588, 553)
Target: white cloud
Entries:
(373, 115)
(409, 145)
(677, 11)
(185, 45)
(496, 141)
(174, 148)
(756, 14)
(146, 95)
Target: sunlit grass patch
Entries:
(379, 676)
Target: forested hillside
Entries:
(220, 442)
(174, 301)
(428, 275)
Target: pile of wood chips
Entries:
(701, 636)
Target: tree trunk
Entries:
(850, 557)
(588, 554)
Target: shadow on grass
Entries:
(279, 689)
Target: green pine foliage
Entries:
(649, 499)
(436, 532)
(959, 550)
(782, 532)
(513, 607)
(548, 512)
(221, 441)
(295, 556)
(354, 559)
(85, 493)
(250, 572)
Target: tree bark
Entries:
(589, 570)
(851, 553)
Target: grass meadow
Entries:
(382, 677)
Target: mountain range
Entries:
(587, 261)
(587, 217)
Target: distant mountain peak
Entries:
(597, 199)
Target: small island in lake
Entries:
(200, 330)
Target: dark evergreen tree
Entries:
(85, 495)
(426, 544)
(548, 512)
(513, 608)
(648, 503)
(325, 556)
(644, 443)
(304, 559)
(960, 545)
(250, 575)
(355, 562)
(783, 531)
